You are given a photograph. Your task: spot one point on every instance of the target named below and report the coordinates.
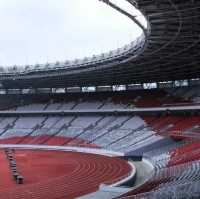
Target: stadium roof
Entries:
(168, 50)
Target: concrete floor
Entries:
(143, 172)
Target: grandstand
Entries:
(123, 125)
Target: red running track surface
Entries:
(59, 175)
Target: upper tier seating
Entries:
(107, 100)
(31, 107)
(88, 105)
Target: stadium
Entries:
(123, 124)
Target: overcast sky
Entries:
(40, 31)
